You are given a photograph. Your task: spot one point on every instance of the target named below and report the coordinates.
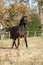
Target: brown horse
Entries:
(19, 31)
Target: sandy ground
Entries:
(33, 55)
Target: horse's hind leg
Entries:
(18, 43)
(13, 44)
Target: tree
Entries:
(14, 12)
(40, 3)
(2, 3)
(34, 25)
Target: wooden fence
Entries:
(35, 33)
(4, 35)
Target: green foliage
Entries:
(34, 25)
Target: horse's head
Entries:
(24, 19)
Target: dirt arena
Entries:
(33, 55)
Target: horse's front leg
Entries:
(13, 44)
(25, 41)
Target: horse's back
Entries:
(14, 32)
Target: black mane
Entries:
(22, 21)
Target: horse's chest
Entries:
(22, 31)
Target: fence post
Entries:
(2, 37)
(42, 34)
(34, 34)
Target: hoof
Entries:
(27, 47)
(16, 47)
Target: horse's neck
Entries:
(22, 26)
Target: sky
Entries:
(7, 3)
(30, 1)
(35, 4)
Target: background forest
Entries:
(11, 15)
